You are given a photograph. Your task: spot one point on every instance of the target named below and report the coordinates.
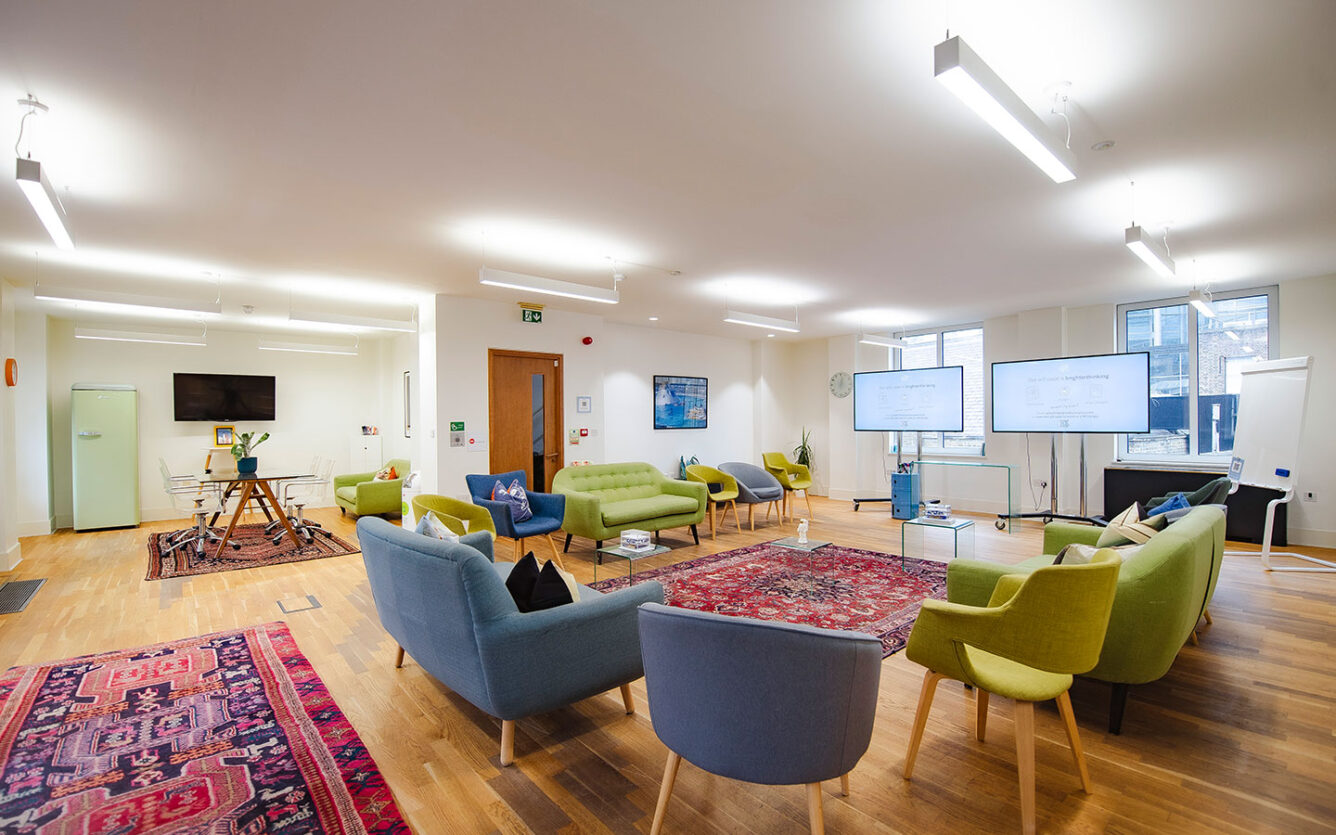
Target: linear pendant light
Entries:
(1149, 250)
(1202, 301)
(737, 317)
(965, 74)
(104, 296)
(32, 180)
(883, 341)
(154, 337)
(302, 347)
(546, 286)
(326, 317)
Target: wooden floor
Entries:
(1238, 737)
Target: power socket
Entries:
(1310, 495)
(1039, 483)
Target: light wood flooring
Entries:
(1238, 737)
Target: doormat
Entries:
(229, 732)
(832, 587)
(15, 595)
(257, 548)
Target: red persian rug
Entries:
(231, 732)
(832, 587)
(257, 548)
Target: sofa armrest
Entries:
(971, 582)
(352, 479)
(540, 660)
(583, 514)
(690, 489)
(380, 492)
(481, 542)
(1058, 535)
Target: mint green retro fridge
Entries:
(104, 426)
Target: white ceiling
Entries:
(773, 151)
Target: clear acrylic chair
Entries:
(193, 497)
(296, 493)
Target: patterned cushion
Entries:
(387, 474)
(429, 525)
(1129, 527)
(1078, 554)
(515, 497)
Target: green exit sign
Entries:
(534, 316)
(456, 426)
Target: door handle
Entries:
(90, 434)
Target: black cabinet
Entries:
(1247, 506)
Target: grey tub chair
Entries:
(446, 604)
(765, 702)
(755, 486)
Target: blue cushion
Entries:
(1178, 502)
(515, 497)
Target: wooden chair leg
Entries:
(733, 504)
(1193, 637)
(930, 680)
(808, 499)
(844, 784)
(1206, 613)
(507, 741)
(665, 791)
(1025, 762)
(980, 713)
(712, 511)
(751, 516)
(519, 549)
(399, 659)
(628, 699)
(815, 818)
(1074, 739)
(556, 556)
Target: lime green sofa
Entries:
(364, 496)
(602, 500)
(1163, 590)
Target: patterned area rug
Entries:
(257, 548)
(832, 587)
(230, 732)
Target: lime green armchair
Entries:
(792, 477)
(459, 516)
(1037, 631)
(365, 496)
(725, 494)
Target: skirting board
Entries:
(38, 528)
(1313, 538)
(11, 558)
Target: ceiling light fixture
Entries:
(154, 337)
(402, 324)
(1232, 335)
(37, 188)
(737, 317)
(1201, 299)
(548, 286)
(966, 75)
(128, 299)
(883, 341)
(1155, 254)
(303, 347)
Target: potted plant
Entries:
(241, 450)
(802, 453)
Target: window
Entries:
(1196, 364)
(958, 346)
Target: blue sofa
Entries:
(446, 604)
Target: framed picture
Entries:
(222, 435)
(681, 402)
(584, 404)
(408, 404)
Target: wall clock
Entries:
(11, 372)
(841, 383)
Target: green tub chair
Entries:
(364, 496)
(459, 516)
(723, 492)
(602, 500)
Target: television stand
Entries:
(1052, 513)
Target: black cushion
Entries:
(523, 577)
(550, 590)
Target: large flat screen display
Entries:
(1100, 394)
(914, 400)
(223, 397)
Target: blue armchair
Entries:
(761, 701)
(549, 509)
(446, 604)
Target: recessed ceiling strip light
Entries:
(883, 341)
(972, 81)
(547, 286)
(737, 317)
(308, 347)
(154, 337)
(1147, 249)
(130, 299)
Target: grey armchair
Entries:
(761, 701)
(446, 604)
(755, 486)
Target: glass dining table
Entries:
(257, 486)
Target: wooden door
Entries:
(524, 414)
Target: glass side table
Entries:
(912, 536)
(630, 557)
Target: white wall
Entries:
(397, 355)
(10, 552)
(1306, 328)
(33, 426)
(322, 402)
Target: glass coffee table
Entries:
(629, 556)
(912, 536)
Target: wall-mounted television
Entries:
(1099, 394)
(223, 397)
(681, 402)
(912, 400)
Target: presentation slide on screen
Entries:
(1101, 394)
(918, 400)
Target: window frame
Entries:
(895, 364)
(1211, 461)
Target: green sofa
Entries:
(602, 500)
(1162, 592)
(364, 496)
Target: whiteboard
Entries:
(1272, 402)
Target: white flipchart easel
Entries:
(1272, 403)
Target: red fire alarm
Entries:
(588, 340)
